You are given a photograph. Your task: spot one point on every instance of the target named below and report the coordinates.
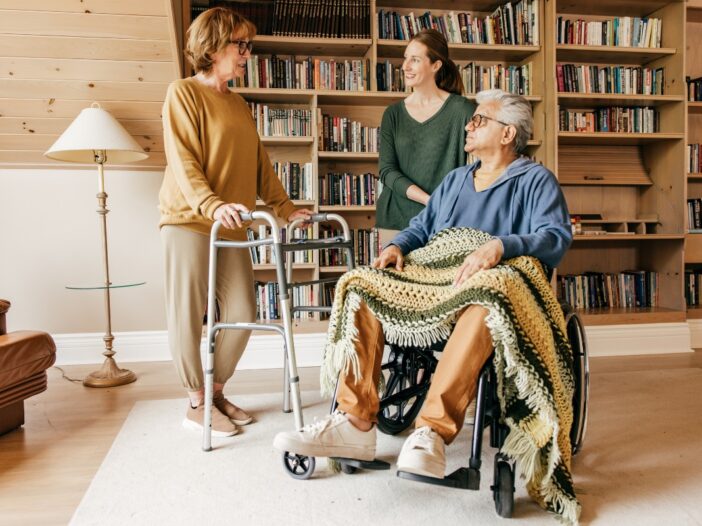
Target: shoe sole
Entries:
(241, 422)
(418, 465)
(189, 424)
(319, 450)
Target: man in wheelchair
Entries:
(516, 200)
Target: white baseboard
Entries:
(265, 351)
(649, 338)
(695, 333)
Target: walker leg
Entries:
(286, 382)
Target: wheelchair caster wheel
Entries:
(503, 490)
(298, 466)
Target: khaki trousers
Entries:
(454, 382)
(186, 257)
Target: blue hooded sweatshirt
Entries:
(524, 208)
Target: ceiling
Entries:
(59, 56)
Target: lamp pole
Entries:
(109, 375)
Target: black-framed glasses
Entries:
(478, 118)
(243, 45)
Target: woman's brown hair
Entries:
(211, 32)
(448, 77)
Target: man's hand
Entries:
(229, 214)
(392, 255)
(485, 257)
(301, 213)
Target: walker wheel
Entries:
(503, 490)
(349, 470)
(298, 466)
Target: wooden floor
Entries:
(46, 467)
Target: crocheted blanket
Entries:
(533, 359)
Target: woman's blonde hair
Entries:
(211, 32)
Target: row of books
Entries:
(389, 77)
(322, 18)
(629, 80)
(366, 247)
(595, 290)
(514, 79)
(694, 89)
(281, 122)
(694, 214)
(347, 189)
(260, 12)
(624, 31)
(693, 287)
(306, 73)
(297, 179)
(268, 304)
(342, 134)
(615, 119)
(264, 255)
(694, 156)
(511, 23)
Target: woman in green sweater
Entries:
(422, 137)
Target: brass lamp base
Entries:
(109, 375)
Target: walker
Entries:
(298, 466)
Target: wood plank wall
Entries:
(59, 56)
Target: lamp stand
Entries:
(109, 375)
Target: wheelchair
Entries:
(408, 375)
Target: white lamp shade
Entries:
(95, 129)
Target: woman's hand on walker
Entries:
(301, 213)
(229, 216)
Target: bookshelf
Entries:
(693, 69)
(627, 185)
(632, 181)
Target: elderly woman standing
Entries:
(216, 167)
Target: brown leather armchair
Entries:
(24, 358)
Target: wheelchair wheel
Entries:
(503, 489)
(581, 370)
(298, 466)
(405, 390)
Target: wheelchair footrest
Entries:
(462, 478)
(363, 464)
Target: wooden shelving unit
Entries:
(634, 181)
(693, 69)
(626, 178)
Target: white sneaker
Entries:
(333, 436)
(423, 454)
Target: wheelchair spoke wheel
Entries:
(298, 466)
(581, 376)
(407, 371)
(503, 490)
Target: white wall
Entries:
(50, 238)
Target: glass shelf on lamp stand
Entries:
(110, 375)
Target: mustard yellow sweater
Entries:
(214, 156)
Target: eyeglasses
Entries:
(477, 120)
(243, 45)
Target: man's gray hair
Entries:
(514, 110)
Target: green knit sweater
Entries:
(418, 153)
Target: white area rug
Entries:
(640, 465)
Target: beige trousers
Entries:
(453, 385)
(186, 257)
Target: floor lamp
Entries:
(95, 137)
